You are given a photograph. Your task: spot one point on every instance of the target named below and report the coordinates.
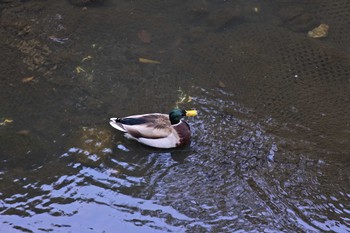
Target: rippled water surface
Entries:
(270, 146)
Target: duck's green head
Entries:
(176, 114)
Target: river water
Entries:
(270, 148)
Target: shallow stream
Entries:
(270, 148)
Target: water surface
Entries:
(270, 147)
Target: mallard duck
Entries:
(156, 129)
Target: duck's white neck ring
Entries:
(177, 123)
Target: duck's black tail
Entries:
(115, 123)
(117, 119)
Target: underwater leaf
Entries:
(144, 36)
(319, 32)
(28, 79)
(148, 61)
(221, 84)
(23, 132)
(86, 58)
(78, 69)
(6, 121)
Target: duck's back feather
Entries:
(151, 126)
(154, 130)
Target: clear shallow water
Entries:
(262, 158)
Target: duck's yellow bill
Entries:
(191, 113)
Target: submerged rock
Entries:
(296, 18)
(223, 17)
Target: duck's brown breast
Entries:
(184, 132)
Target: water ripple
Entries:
(238, 175)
